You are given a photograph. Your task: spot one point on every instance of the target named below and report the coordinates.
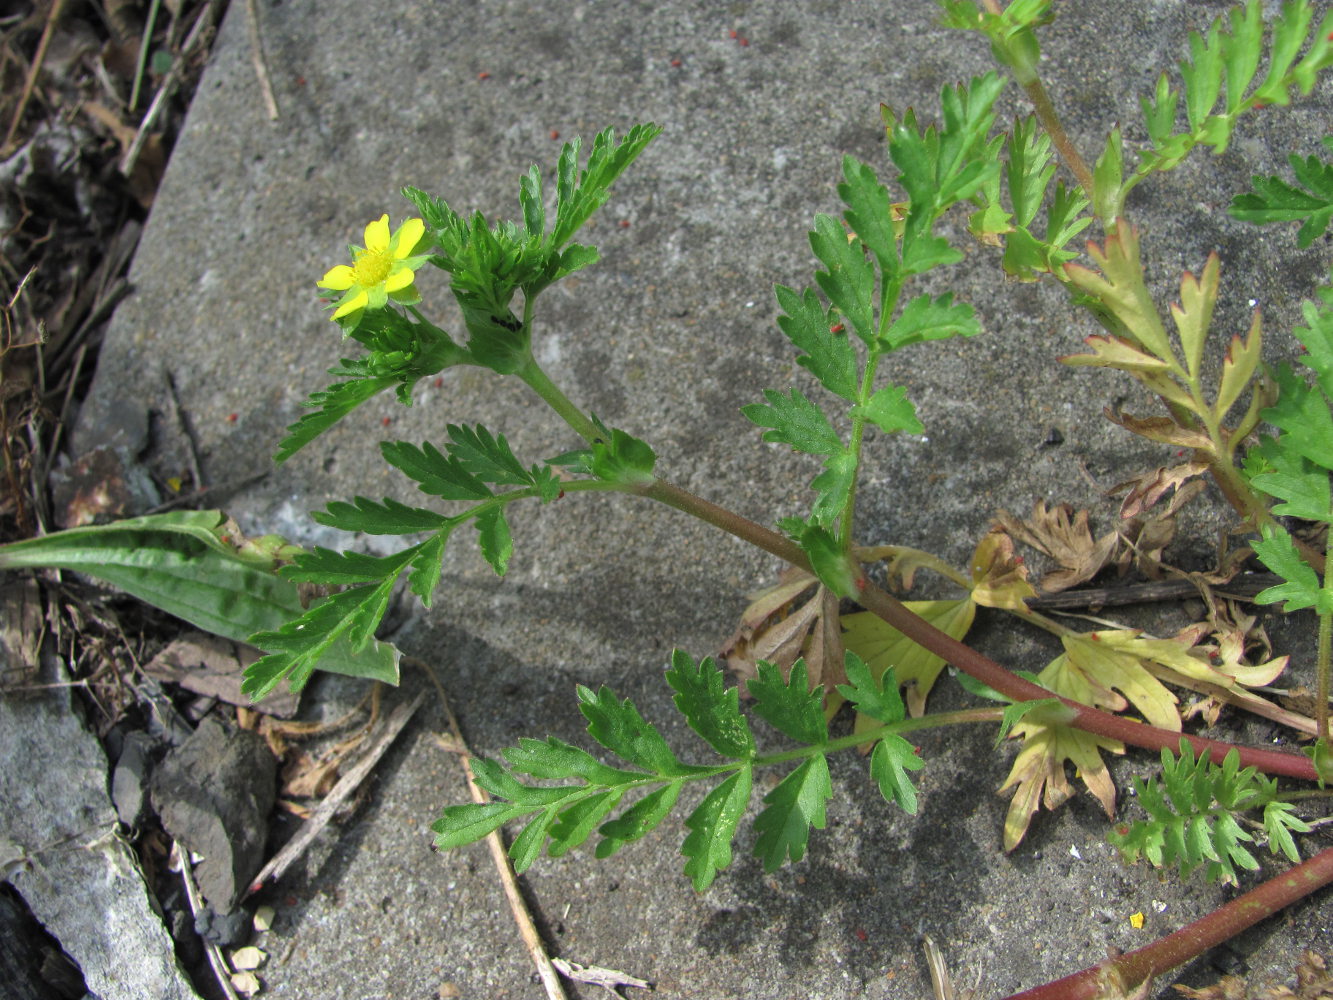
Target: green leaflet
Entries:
(791, 809)
(712, 826)
(789, 706)
(712, 711)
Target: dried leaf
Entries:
(1065, 536)
(306, 777)
(21, 631)
(775, 628)
(1150, 487)
(213, 666)
(1163, 429)
(1039, 773)
(1226, 988)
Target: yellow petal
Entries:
(377, 234)
(339, 278)
(351, 305)
(409, 235)
(398, 279)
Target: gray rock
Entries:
(129, 781)
(213, 794)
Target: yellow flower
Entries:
(381, 270)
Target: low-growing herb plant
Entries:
(1264, 438)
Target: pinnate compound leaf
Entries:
(1303, 415)
(712, 825)
(711, 709)
(638, 820)
(829, 355)
(618, 726)
(789, 706)
(578, 199)
(790, 809)
(890, 761)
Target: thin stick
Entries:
(347, 784)
(214, 953)
(531, 939)
(191, 448)
(39, 57)
(257, 56)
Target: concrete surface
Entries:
(667, 336)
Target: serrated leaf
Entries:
(1300, 588)
(638, 820)
(795, 805)
(926, 318)
(575, 823)
(1120, 288)
(795, 421)
(494, 539)
(849, 281)
(1194, 313)
(620, 457)
(1279, 824)
(711, 709)
(466, 824)
(434, 473)
(386, 517)
(890, 410)
(712, 825)
(1238, 367)
(1303, 414)
(486, 456)
(829, 356)
(878, 699)
(1107, 177)
(890, 761)
(424, 570)
(330, 405)
(789, 705)
(1275, 200)
(553, 759)
(492, 777)
(578, 199)
(1097, 668)
(1047, 711)
(618, 726)
(869, 212)
(882, 646)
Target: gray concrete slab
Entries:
(667, 337)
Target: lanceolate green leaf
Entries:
(180, 562)
(618, 726)
(638, 820)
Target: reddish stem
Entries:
(1119, 976)
(967, 659)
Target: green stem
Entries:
(858, 434)
(538, 381)
(965, 658)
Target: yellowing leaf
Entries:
(1150, 487)
(999, 579)
(882, 646)
(1121, 289)
(1103, 662)
(775, 627)
(1116, 352)
(1237, 367)
(1039, 773)
(1163, 429)
(1194, 313)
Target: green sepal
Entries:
(789, 706)
(795, 805)
(711, 709)
(712, 825)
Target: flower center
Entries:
(372, 267)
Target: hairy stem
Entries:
(965, 658)
(1119, 976)
(538, 381)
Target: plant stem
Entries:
(1325, 648)
(965, 658)
(1119, 976)
(537, 380)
